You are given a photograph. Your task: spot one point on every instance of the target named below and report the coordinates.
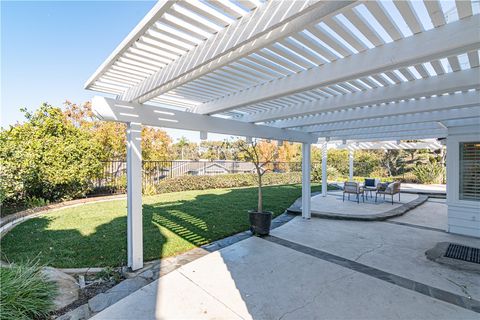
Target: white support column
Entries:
(306, 191)
(134, 196)
(324, 168)
(350, 164)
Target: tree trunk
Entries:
(260, 198)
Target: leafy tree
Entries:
(111, 136)
(47, 157)
(182, 143)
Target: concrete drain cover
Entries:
(464, 253)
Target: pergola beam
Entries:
(267, 24)
(417, 134)
(121, 111)
(453, 101)
(445, 115)
(388, 145)
(451, 39)
(387, 129)
(446, 83)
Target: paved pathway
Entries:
(311, 269)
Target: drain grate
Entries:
(457, 251)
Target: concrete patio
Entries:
(334, 206)
(319, 268)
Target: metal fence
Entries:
(113, 176)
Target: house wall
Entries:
(463, 215)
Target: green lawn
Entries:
(94, 235)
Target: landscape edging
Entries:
(10, 221)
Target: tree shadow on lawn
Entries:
(170, 228)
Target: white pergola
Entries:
(292, 71)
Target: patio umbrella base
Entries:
(260, 222)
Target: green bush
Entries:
(332, 174)
(431, 172)
(47, 157)
(25, 292)
(185, 183)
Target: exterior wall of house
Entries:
(463, 215)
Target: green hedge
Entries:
(185, 183)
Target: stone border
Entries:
(156, 269)
(9, 221)
(398, 211)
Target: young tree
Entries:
(260, 158)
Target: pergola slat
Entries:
(381, 14)
(454, 38)
(420, 117)
(411, 18)
(404, 107)
(240, 39)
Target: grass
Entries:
(94, 235)
(25, 292)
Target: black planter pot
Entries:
(260, 222)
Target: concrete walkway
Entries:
(311, 269)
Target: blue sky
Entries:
(49, 49)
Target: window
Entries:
(470, 171)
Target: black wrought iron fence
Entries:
(113, 177)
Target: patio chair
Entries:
(353, 188)
(390, 189)
(369, 186)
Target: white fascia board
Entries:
(121, 111)
(267, 24)
(386, 129)
(444, 115)
(451, 39)
(150, 18)
(419, 134)
(453, 101)
(446, 83)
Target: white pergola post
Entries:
(324, 168)
(306, 191)
(134, 196)
(350, 164)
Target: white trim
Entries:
(120, 111)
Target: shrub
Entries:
(185, 183)
(46, 157)
(332, 174)
(26, 293)
(429, 173)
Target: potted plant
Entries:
(260, 220)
